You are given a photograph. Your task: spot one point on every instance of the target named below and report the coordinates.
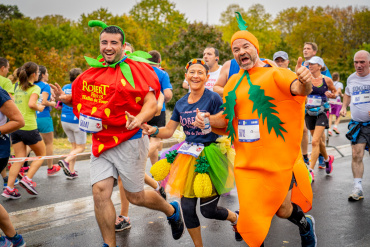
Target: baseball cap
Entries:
(281, 54)
(317, 60)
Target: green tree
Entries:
(160, 20)
(10, 12)
(191, 44)
(259, 23)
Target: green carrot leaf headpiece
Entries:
(241, 23)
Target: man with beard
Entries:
(264, 108)
(112, 99)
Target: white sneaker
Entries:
(357, 194)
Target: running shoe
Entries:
(162, 192)
(357, 194)
(309, 238)
(312, 175)
(329, 164)
(17, 241)
(306, 161)
(54, 170)
(330, 133)
(336, 131)
(176, 221)
(4, 242)
(24, 169)
(29, 186)
(65, 165)
(73, 175)
(122, 224)
(322, 166)
(12, 194)
(238, 237)
(6, 182)
(321, 160)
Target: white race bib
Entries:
(361, 97)
(193, 149)
(314, 100)
(334, 101)
(249, 130)
(90, 124)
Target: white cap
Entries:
(281, 54)
(317, 60)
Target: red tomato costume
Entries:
(105, 93)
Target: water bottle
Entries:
(207, 128)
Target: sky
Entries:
(194, 10)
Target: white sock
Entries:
(125, 217)
(335, 126)
(358, 183)
(11, 189)
(158, 187)
(327, 159)
(237, 217)
(28, 178)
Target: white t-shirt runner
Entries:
(359, 90)
(213, 76)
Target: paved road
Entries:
(62, 214)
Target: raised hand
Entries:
(59, 95)
(132, 122)
(304, 75)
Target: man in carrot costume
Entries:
(112, 99)
(264, 113)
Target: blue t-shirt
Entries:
(164, 80)
(44, 88)
(185, 114)
(4, 139)
(67, 112)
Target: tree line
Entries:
(61, 44)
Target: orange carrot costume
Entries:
(263, 166)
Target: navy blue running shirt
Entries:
(4, 139)
(185, 114)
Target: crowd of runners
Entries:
(231, 115)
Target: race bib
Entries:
(314, 100)
(89, 124)
(249, 130)
(334, 101)
(361, 97)
(193, 149)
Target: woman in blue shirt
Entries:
(200, 155)
(44, 120)
(70, 126)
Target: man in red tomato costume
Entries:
(112, 99)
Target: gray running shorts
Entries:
(74, 133)
(127, 160)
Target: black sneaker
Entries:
(162, 192)
(176, 221)
(238, 237)
(309, 238)
(122, 224)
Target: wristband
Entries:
(156, 132)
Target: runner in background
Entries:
(26, 95)
(44, 120)
(76, 137)
(335, 105)
(8, 110)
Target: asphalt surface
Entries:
(63, 213)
